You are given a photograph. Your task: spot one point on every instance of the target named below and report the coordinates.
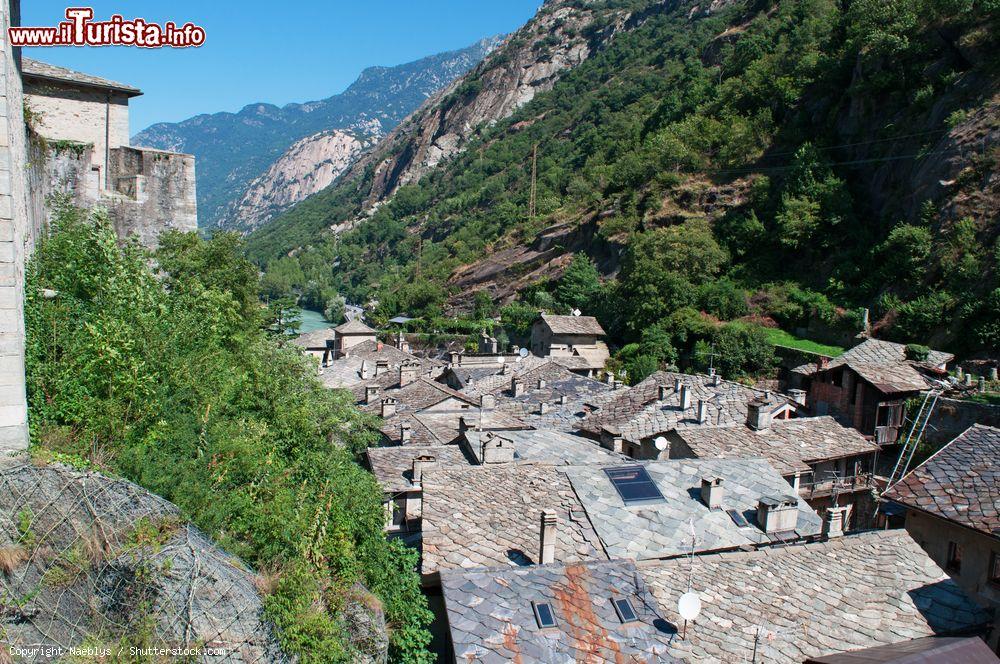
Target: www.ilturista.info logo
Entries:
(79, 29)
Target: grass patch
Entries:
(782, 338)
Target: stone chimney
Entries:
(371, 393)
(543, 408)
(516, 387)
(702, 411)
(993, 374)
(366, 370)
(798, 396)
(685, 397)
(541, 383)
(711, 492)
(420, 464)
(547, 543)
(662, 393)
(455, 358)
(495, 449)
(407, 373)
(715, 378)
(405, 433)
(610, 377)
(488, 402)
(759, 414)
(677, 384)
(505, 369)
(777, 514)
(833, 522)
(388, 407)
(381, 366)
(562, 399)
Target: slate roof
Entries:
(663, 528)
(936, 649)
(960, 483)
(637, 413)
(346, 371)
(43, 70)
(445, 425)
(548, 446)
(354, 326)
(485, 379)
(878, 352)
(393, 466)
(789, 445)
(491, 618)
(884, 364)
(580, 393)
(572, 324)
(314, 340)
(489, 516)
(852, 592)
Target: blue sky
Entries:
(276, 52)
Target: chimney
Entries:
(541, 383)
(822, 363)
(381, 366)
(685, 397)
(516, 387)
(407, 373)
(388, 407)
(759, 414)
(677, 384)
(993, 374)
(505, 369)
(547, 548)
(454, 358)
(702, 411)
(495, 449)
(662, 393)
(777, 514)
(371, 393)
(405, 432)
(610, 377)
(562, 399)
(487, 402)
(982, 383)
(366, 370)
(798, 396)
(715, 378)
(420, 464)
(543, 408)
(833, 522)
(711, 492)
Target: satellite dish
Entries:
(689, 605)
(660, 442)
(523, 352)
(577, 312)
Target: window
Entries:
(623, 607)
(737, 518)
(633, 484)
(994, 571)
(954, 563)
(544, 615)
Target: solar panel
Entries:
(624, 609)
(633, 484)
(544, 614)
(737, 518)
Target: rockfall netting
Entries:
(96, 568)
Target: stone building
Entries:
(81, 125)
(952, 503)
(574, 341)
(869, 384)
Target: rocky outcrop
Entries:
(562, 34)
(309, 166)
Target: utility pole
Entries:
(534, 182)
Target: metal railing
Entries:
(847, 484)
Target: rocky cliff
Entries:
(232, 149)
(308, 166)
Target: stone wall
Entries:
(16, 240)
(952, 416)
(65, 112)
(151, 191)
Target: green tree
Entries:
(579, 284)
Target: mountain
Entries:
(232, 149)
(775, 163)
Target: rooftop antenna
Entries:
(689, 604)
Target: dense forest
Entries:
(169, 378)
(766, 165)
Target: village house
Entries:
(479, 377)
(595, 612)
(869, 384)
(952, 503)
(83, 123)
(573, 341)
(637, 421)
(785, 605)
(825, 462)
(520, 514)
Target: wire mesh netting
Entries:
(93, 567)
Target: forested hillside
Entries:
(784, 163)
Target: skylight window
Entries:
(623, 607)
(544, 615)
(737, 518)
(633, 484)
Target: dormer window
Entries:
(544, 615)
(623, 607)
